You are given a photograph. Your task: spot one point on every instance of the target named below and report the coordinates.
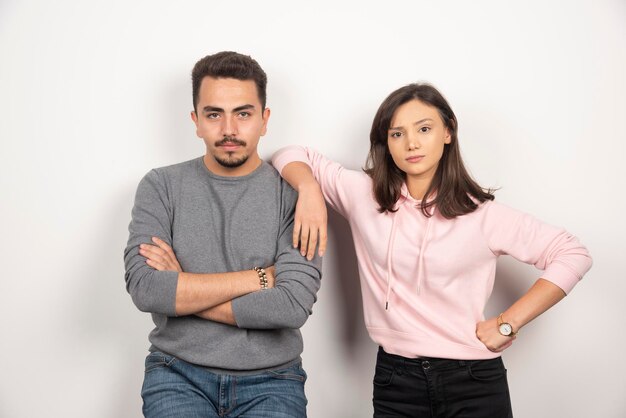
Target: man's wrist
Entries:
(263, 282)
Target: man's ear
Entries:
(194, 118)
(266, 117)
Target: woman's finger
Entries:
(323, 238)
(304, 239)
(312, 244)
(296, 233)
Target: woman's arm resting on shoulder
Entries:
(539, 298)
(310, 222)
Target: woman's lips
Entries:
(415, 158)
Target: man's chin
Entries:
(231, 161)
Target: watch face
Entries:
(505, 329)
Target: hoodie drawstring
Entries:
(392, 238)
(420, 262)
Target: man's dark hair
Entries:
(228, 64)
(455, 192)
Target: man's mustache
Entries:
(230, 140)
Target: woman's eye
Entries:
(396, 134)
(424, 129)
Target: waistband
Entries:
(424, 363)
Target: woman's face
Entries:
(416, 138)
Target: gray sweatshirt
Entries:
(222, 224)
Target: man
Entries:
(227, 339)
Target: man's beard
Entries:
(230, 162)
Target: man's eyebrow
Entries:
(208, 109)
(244, 107)
(399, 128)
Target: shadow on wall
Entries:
(513, 279)
(353, 329)
(178, 137)
(107, 324)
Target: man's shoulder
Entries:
(274, 183)
(268, 174)
(164, 177)
(178, 168)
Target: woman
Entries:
(427, 238)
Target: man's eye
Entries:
(244, 114)
(212, 115)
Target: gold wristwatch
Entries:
(505, 328)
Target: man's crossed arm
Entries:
(233, 298)
(207, 295)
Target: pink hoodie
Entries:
(425, 281)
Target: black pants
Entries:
(438, 388)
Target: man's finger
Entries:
(153, 249)
(155, 265)
(154, 257)
(155, 254)
(162, 244)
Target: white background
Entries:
(94, 94)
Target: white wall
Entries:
(95, 93)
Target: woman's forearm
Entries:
(310, 221)
(299, 175)
(539, 298)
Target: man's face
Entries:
(230, 121)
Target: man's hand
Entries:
(310, 222)
(160, 256)
(487, 332)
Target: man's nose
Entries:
(229, 127)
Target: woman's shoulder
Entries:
(499, 215)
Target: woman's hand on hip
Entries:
(487, 332)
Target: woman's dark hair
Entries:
(455, 192)
(228, 64)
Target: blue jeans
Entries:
(440, 388)
(175, 388)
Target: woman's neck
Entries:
(417, 186)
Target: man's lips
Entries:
(229, 146)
